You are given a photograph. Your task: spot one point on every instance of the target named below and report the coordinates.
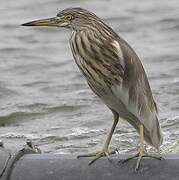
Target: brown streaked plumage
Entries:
(113, 71)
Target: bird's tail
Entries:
(154, 135)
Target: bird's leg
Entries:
(142, 151)
(105, 150)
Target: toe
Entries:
(96, 158)
(89, 154)
(138, 163)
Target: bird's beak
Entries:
(44, 22)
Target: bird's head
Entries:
(73, 18)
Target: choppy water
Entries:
(45, 98)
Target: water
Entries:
(44, 97)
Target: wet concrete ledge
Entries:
(68, 167)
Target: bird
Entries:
(114, 73)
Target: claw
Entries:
(138, 163)
(104, 151)
(140, 154)
(98, 155)
(142, 150)
(96, 158)
(89, 155)
(128, 159)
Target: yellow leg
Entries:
(142, 151)
(104, 151)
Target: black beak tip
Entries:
(26, 24)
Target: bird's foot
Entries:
(99, 154)
(140, 154)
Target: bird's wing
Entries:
(135, 81)
(135, 92)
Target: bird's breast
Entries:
(98, 59)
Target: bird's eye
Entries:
(69, 17)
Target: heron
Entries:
(115, 74)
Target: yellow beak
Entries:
(44, 22)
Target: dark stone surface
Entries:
(59, 167)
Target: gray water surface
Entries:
(45, 98)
